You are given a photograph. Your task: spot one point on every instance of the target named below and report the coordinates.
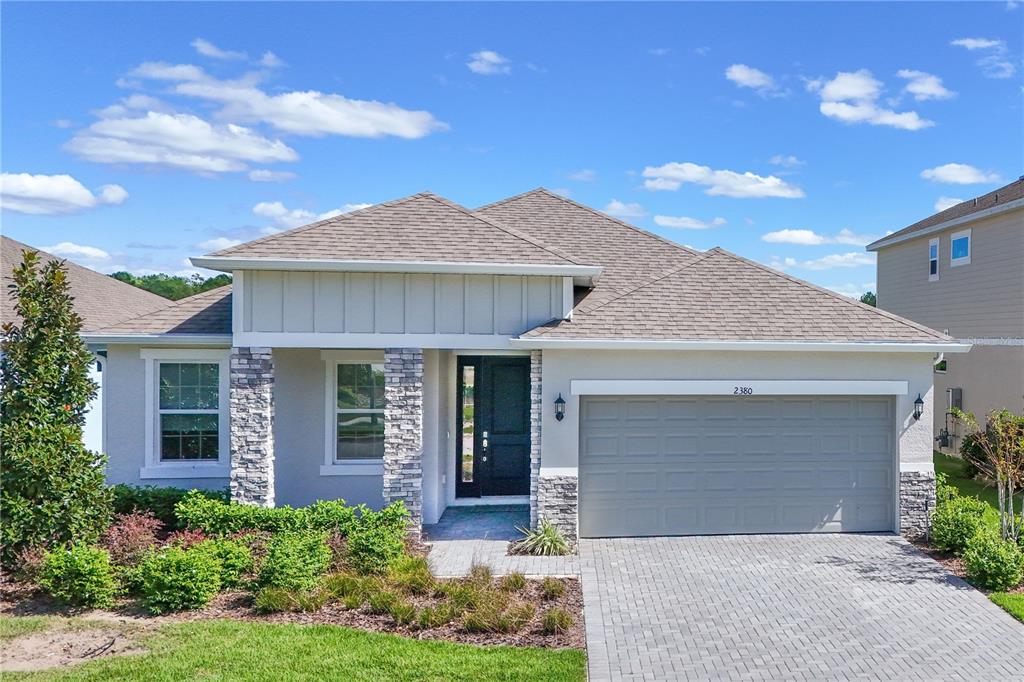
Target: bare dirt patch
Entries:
(58, 647)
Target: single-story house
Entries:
(534, 351)
(99, 300)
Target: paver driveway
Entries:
(786, 607)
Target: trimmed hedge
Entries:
(216, 517)
(158, 500)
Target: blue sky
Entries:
(136, 135)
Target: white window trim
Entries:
(966, 260)
(351, 467)
(935, 243)
(153, 468)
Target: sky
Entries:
(137, 135)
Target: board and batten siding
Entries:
(397, 303)
(981, 299)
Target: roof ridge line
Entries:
(591, 209)
(833, 294)
(317, 223)
(505, 228)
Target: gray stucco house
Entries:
(532, 350)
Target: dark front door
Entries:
(493, 451)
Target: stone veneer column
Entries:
(917, 501)
(536, 415)
(558, 503)
(252, 426)
(403, 431)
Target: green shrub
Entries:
(372, 549)
(513, 582)
(174, 579)
(992, 563)
(157, 500)
(283, 599)
(544, 540)
(551, 588)
(81, 576)
(234, 557)
(955, 523)
(53, 491)
(295, 560)
(219, 517)
(944, 492)
(403, 613)
(381, 602)
(556, 621)
(411, 574)
(970, 452)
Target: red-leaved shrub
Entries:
(186, 538)
(128, 538)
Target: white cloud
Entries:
(63, 123)
(748, 77)
(177, 140)
(978, 43)
(77, 251)
(218, 243)
(271, 60)
(852, 97)
(659, 51)
(959, 174)
(942, 203)
(924, 86)
(785, 161)
(685, 223)
(993, 63)
(718, 182)
(624, 210)
(284, 217)
(53, 194)
(264, 175)
(562, 191)
(488, 63)
(134, 103)
(168, 72)
(583, 175)
(853, 259)
(208, 49)
(812, 238)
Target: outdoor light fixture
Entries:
(559, 407)
(918, 407)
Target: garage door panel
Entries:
(783, 464)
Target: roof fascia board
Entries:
(159, 339)
(749, 346)
(955, 222)
(229, 264)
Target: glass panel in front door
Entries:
(467, 423)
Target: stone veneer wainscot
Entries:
(252, 425)
(403, 431)
(536, 417)
(917, 500)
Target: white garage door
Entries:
(689, 465)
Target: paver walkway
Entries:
(787, 607)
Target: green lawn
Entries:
(953, 468)
(1011, 603)
(232, 650)
(11, 627)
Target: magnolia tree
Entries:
(998, 453)
(52, 490)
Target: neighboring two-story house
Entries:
(962, 271)
(531, 351)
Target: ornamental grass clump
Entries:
(411, 574)
(544, 540)
(513, 582)
(556, 621)
(551, 588)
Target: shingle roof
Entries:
(721, 296)
(422, 227)
(99, 300)
(998, 197)
(627, 254)
(205, 313)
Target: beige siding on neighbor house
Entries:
(395, 303)
(982, 299)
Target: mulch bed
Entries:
(21, 599)
(954, 564)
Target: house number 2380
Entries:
(742, 390)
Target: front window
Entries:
(189, 411)
(359, 412)
(933, 260)
(960, 248)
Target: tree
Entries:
(869, 298)
(998, 453)
(52, 489)
(173, 287)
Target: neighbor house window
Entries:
(960, 248)
(933, 260)
(940, 367)
(359, 412)
(189, 411)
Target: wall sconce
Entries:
(918, 407)
(559, 407)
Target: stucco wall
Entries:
(560, 445)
